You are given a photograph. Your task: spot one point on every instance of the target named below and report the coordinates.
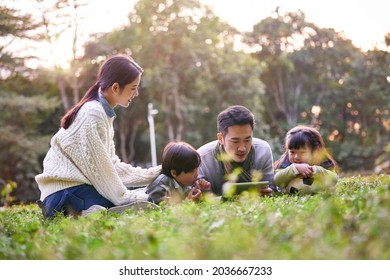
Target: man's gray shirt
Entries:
(212, 170)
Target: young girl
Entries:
(81, 172)
(178, 178)
(306, 166)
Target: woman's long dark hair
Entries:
(119, 69)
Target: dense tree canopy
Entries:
(316, 76)
(25, 105)
(191, 70)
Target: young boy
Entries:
(178, 178)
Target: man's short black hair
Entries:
(234, 115)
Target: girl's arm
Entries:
(324, 178)
(284, 176)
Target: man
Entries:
(236, 150)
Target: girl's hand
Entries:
(194, 194)
(304, 170)
(203, 185)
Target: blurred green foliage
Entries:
(349, 224)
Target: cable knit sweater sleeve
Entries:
(133, 176)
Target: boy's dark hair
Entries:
(179, 156)
(234, 115)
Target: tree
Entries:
(57, 18)
(14, 27)
(363, 133)
(21, 144)
(23, 105)
(191, 72)
(28, 111)
(315, 76)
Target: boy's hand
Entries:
(203, 185)
(194, 194)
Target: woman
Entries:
(81, 172)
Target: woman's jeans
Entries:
(72, 201)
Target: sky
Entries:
(365, 22)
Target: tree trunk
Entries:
(64, 99)
(134, 131)
(178, 114)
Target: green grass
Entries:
(350, 223)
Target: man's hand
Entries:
(266, 192)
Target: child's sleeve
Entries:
(324, 178)
(284, 176)
(158, 194)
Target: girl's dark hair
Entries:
(301, 136)
(179, 156)
(119, 69)
(234, 115)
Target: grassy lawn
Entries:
(350, 223)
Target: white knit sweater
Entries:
(85, 153)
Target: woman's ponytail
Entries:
(70, 116)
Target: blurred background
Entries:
(328, 68)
